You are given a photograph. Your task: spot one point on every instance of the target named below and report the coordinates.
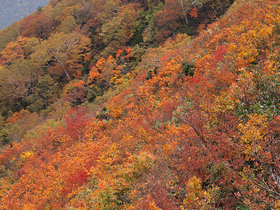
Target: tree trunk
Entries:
(185, 11)
(186, 18)
(64, 69)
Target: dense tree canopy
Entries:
(125, 105)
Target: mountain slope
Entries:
(192, 123)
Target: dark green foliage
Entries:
(188, 68)
(208, 13)
(137, 36)
(146, 18)
(44, 94)
(39, 8)
(149, 75)
(104, 114)
(93, 92)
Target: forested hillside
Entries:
(141, 104)
(14, 10)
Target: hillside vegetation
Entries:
(141, 104)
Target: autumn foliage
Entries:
(104, 123)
